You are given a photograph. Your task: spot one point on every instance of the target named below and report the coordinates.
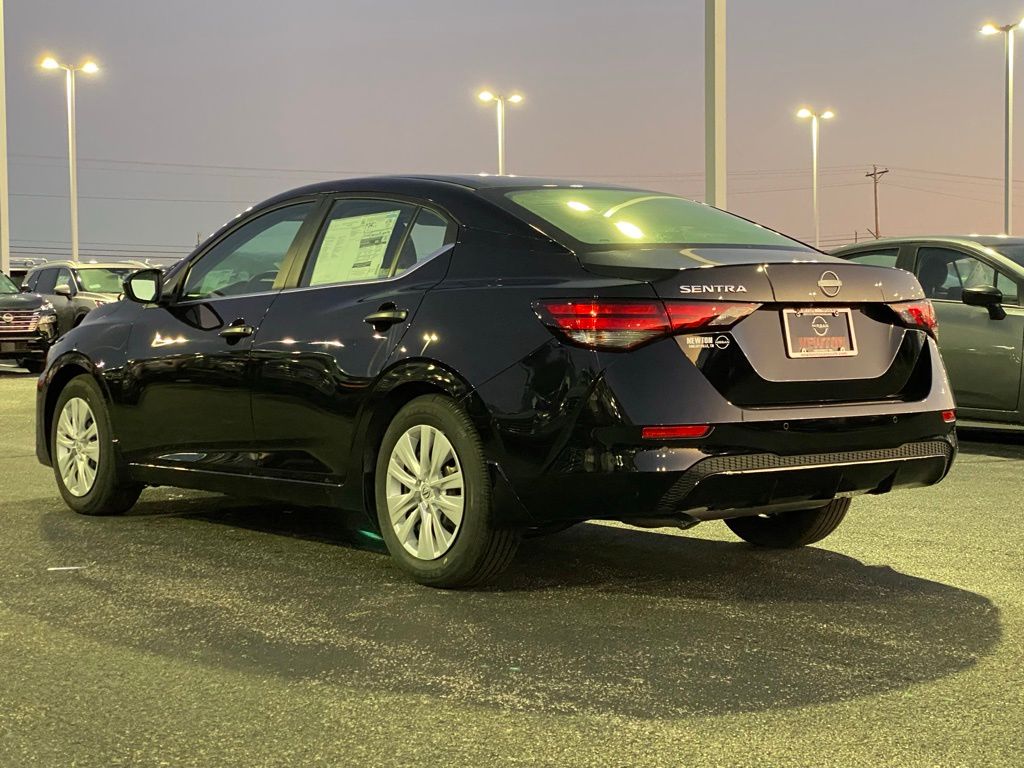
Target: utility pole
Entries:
(876, 175)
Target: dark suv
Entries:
(28, 326)
(76, 288)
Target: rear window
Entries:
(884, 257)
(616, 218)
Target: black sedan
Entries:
(467, 359)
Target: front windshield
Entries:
(617, 218)
(103, 279)
(6, 286)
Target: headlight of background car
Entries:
(48, 319)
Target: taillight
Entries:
(676, 432)
(919, 315)
(949, 416)
(619, 324)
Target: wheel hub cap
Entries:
(425, 493)
(77, 447)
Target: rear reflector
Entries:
(618, 324)
(919, 315)
(949, 416)
(679, 432)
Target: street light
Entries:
(803, 114)
(1007, 31)
(89, 68)
(499, 100)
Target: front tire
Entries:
(82, 450)
(433, 497)
(790, 529)
(32, 365)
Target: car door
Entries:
(187, 378)
(982, 353)
(324, 341)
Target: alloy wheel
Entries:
(77, 447)
(425, 492)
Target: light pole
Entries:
(89, 68)
(803, 114)
(5, 211)
(1007, 31)
(515, 98)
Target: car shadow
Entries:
(1003, 445)
(597, 619)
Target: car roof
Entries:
(81, 264)
(468, 182)
(966, 240)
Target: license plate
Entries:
(8, 346)
(819, 332)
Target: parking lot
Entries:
(199, 630)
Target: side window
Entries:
(30, 280)
(247, 260)
(429, 234)
(883, 257)
(358, 242)
(64, 277)
(47, 281)
(1008, 287)
(945, 273)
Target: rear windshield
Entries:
(616, 218)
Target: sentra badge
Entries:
(712, 289)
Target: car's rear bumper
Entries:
(742, 469)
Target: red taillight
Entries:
(919, 315)
(618, 324)
(678, 432)
(949, 416)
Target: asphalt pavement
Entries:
(205, 631)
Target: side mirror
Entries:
(145, 286)
(987, 296)
(25, 288)
(63, 289)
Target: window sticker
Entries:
(354, 248)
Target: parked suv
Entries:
(28, 326)
(76, 288)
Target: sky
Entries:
(204, 107)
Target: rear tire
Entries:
(432, 490)
(82, 451)
(790, 529)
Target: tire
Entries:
(32, 365)
(95, 486)
(428, 534)
(790, 529)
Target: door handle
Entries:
(383, 319)
(238, 331)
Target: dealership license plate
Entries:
(819, 332)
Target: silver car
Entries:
(975, 284)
